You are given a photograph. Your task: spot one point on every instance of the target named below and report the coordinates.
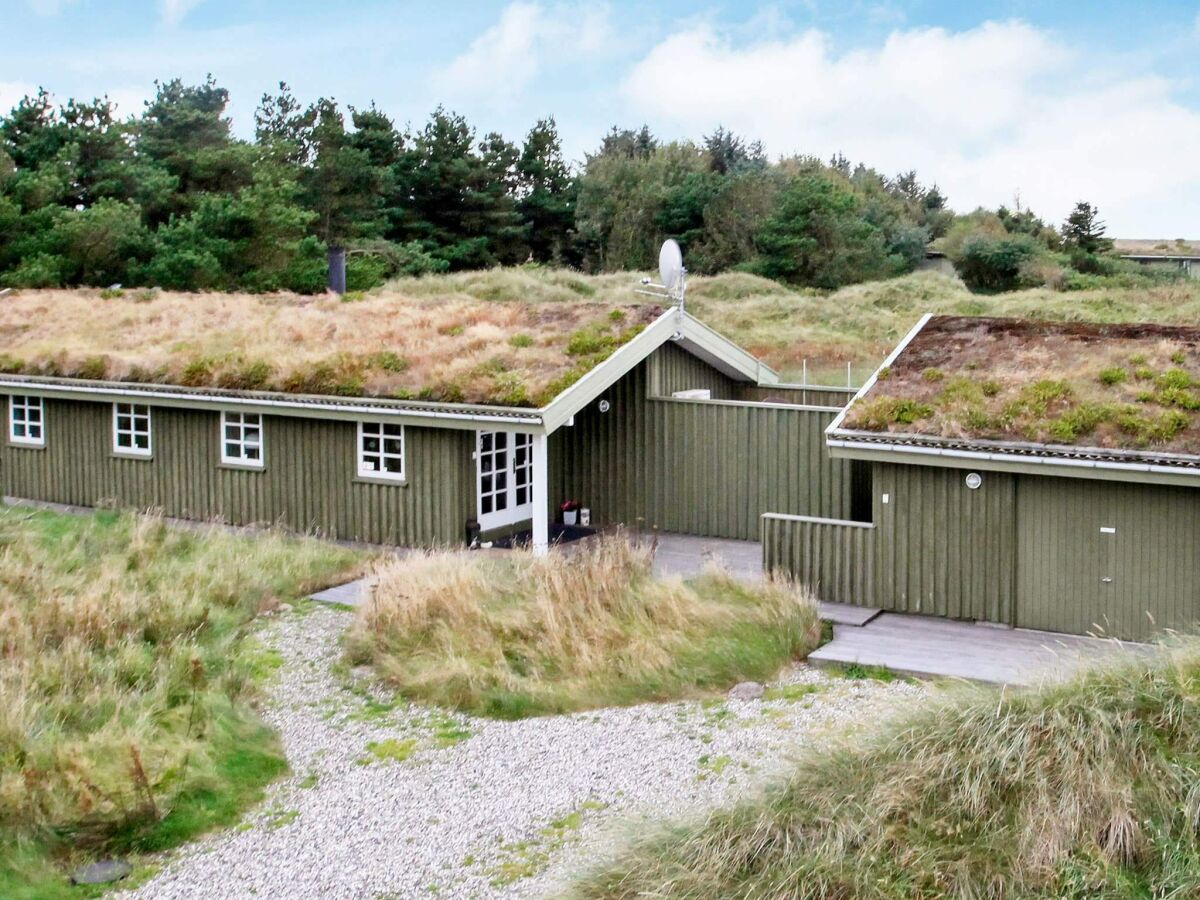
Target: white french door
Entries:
(504, 462)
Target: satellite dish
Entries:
(670, 267)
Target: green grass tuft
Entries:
(520, 636)
(1085, 789)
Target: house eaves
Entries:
(1017, 458)
(673, 325)
(440, 415)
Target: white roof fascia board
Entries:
(723, 354)
(870, 382)
(575, 398)
(962, 459)
(450, 418)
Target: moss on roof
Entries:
(448, 349)
(1129, 387)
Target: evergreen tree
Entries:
(546, 193)
(1084, 231)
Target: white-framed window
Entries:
(505, 466)
(381, 450)
(242, 439)
(131, 429)
(27, 420)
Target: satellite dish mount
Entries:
(672, 275)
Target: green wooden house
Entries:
(1041, 475)
(641, 414)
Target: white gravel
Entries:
(512, 810)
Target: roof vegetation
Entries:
(1133, 387)
(436, 345)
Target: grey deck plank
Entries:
(846, 614)
(352, 593)
(925, 646)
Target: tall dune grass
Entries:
(1086, 789)
(519, 635)
(126, 680)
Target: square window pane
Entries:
(485, 464)
(142, 441)
(485, 503)
(124, 423)
(233, 451)
(18, 430)
(35, 414)
(393, 465)
(252, 453)
(232, 432)
(485, 442)
(18, 413)
(522, 496)
(393, 430)
(35, 432)
(501, 481)
(393, 446)
(370, 445)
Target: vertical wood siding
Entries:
(834, 559)
(944, 549)
(1063, 557)
(697, 467)
(671, 369)
(309, 483)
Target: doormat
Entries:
(559, 534)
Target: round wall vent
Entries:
(604, 406)
(974, 480)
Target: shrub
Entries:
(990, 264)
(881, 413)
(1113, 375)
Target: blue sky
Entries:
(1048, 102)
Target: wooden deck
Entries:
(930, 647)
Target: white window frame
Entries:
(373, 463)
(135, 412)
(241, 423)
(27, 404)
(510, 455)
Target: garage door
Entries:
(1110, 557)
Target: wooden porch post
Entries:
(541, 497)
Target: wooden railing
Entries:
(834, 557)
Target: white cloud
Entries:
(172, 12)
(504, 61)
(11, 93)
(987, 112)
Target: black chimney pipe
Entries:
(337, 269)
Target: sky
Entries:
(1039, 103)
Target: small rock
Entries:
(285, 607)
(103, 872)
(358, 673)
(747, 690)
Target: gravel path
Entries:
(406, 802)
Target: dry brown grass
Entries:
(519, 635)
(416, 340)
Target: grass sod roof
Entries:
(453, 349)
(1112, 387)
